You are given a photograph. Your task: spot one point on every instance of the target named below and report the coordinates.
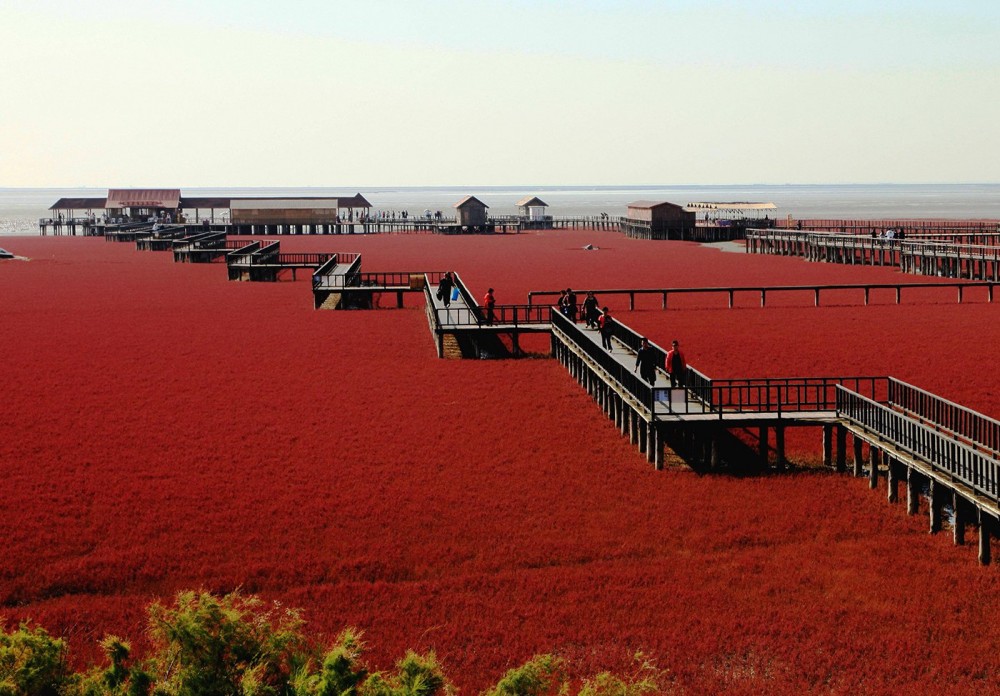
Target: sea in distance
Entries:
(21, 208)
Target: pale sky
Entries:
(465, 92)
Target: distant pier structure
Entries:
(658, 220)
(235, 215)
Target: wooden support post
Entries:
(827, 445)
(816, 298)
(858, 456)
(642, 436)
(985, 524)
(762, 446)
(633, 426)
(912, 491)
(873, 455)
(935, 504)
(891, 479)
(658, 458)
(841, 448)
(714, 441)
(958, 529)
(399, 299)
(651, 442)
(623, 425)
(631, 301)
(779, 445)
(763, 298)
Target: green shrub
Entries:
(540, 676)
(32, 663)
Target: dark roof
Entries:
(191, 202)
(355, 201)
(652, 204)
(79, 204)
(470, 200)
(532, 202)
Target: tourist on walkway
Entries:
(607, 326)
(590, 311)
(676, 365)
(645, 362)
(571, 306)
(489, 302)
(444, 289)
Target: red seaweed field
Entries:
(162, 428)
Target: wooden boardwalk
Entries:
(958, 254)
(945, 453)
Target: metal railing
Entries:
(975, 429)
(630, 382)
(503, 315)
(948, 457)
(329, 276)
(413, 280)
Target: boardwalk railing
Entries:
(951, 459)
(762, 291)
(631, 383)
(503, 315)
(978, 431)
(329, 277)
(413, 280)
(789, 394)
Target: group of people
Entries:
(890, 233)
(647, 359)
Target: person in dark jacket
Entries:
(676, 365)
(590, 311)
(444, 289)
(646, 362)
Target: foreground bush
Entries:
(237, 645)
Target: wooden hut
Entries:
(532, 209)
(658, 220)
(471, 212)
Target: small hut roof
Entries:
(470, 200)
(355, 201)
(651, 204)
(79, 204)
(144, 198)
(532, 202)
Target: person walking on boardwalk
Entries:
(489, 302)
(645, 362)
(676, 365)
(590, 313)
(607, 327)
(571, 305)
(444, 289)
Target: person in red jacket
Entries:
(606, 325)
(489, 302)
(676, 365)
